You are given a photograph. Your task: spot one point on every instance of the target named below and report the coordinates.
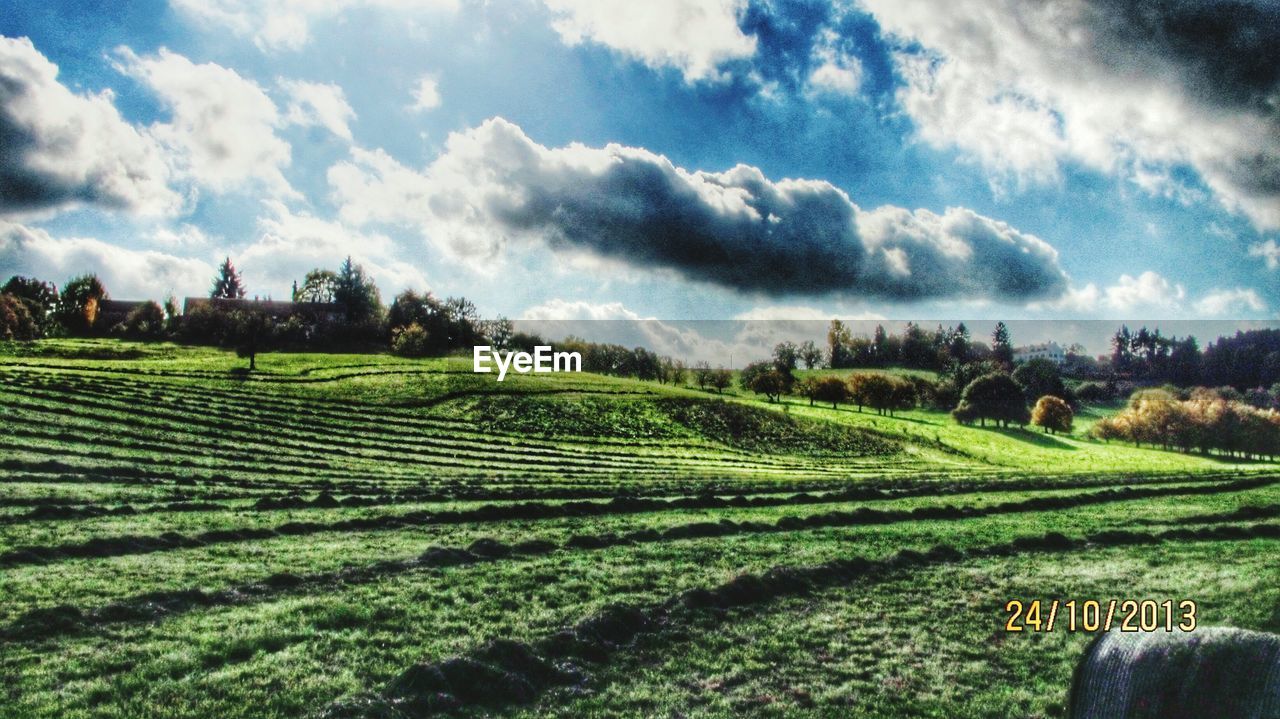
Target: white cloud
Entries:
(183, 235)
(1269, 251)
(426, 94)
(61, 148)
(1022, 87)
(1150, 294)
(493, 191)
(693, 36)
(835, 71)
(127, 274)
(290, 244)
(315, 104)
(1221, 303)
(286, 24)
(222, 129)
(1147, 290)
(558, 309)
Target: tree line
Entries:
(331, 309)
(1201, 420)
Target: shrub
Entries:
(146, 321)
(411, 341)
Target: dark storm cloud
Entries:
(1228, 50)
(736, 228)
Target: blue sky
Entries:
(715, 159)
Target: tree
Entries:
(1053, 414)
(785, 356)
(721, 378)
(881, 392)
(829, 389)
(996, 397)
(40, 298)
(497, 332)
(810, 354)
(902, 395)
(702, 374)
(227, 285)
(958, 344)
(764, 378)
(678, 373)
(16, 322)
(356, 293)
(249, 332)
(318, 286)
(78, 303)
(1002, 345)
(838, 337)
(1040, 377)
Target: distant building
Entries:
(113, 312)
(277, 309)
(1051, 351)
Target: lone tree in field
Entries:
(830, 389)
(250, 332)
(1053, 414)
(227, 285)
(993, 397)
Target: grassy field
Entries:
(364, 535)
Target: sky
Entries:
(672, 159)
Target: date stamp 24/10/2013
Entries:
(1091, 615)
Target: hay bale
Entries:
(1211, 672)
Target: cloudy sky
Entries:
(678, 159)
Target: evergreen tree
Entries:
(1002, 345)
(356, 293)
(227, 285)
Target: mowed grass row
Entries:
(85, 584)
(295, 653)
(293, 439)
(119, 535)
(929, 643)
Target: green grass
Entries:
(108, 424)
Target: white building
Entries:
(1051, 351)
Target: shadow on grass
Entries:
(1030, 436)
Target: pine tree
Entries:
(227, 285)
(1001, 345)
